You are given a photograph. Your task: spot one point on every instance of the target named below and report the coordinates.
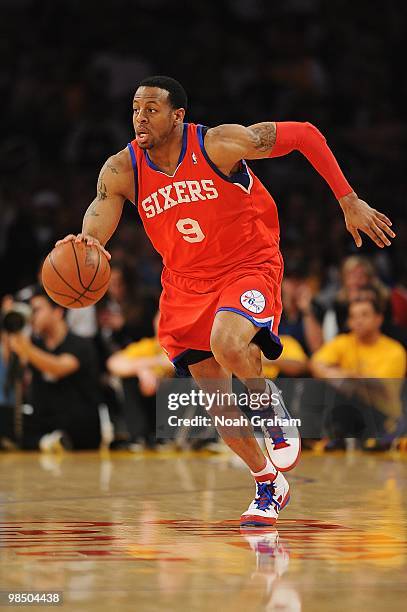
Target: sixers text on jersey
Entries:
(178, 192)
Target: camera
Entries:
(16, 318)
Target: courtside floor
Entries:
(159, 532)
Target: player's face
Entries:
(363, 319)
(153, 117)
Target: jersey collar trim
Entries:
(242, 178)
(153, 166)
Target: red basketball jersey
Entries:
(202, 222)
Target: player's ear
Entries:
(179, 115)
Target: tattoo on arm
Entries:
(102, 193)
(264, 136)
(102, 190)
(112, 168)
(92, 212)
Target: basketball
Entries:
(75, 274)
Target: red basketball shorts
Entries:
(188, 307)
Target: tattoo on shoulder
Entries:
(265, 136)
(112, 168)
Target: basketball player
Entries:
(216, 228)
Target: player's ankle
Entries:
(269, 472)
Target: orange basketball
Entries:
(75, 275)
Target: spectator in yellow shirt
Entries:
(140, 366)
(365, 353)
(144, 359)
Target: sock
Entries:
(269, 472)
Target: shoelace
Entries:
(278, 437)
(265, 496)
(275, 432)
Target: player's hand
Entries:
(360, 216)
(89, 240)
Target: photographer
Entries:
(64, 390)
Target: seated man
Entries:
(367, 369)
(144, 359)
(141, 365)
(64, 391)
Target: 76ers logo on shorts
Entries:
(253, 300)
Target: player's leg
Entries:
(212, 378)
(272, 489)
(232, 346)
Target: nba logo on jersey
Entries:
(194, 159)
(253, 300)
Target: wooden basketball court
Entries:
(159, 531)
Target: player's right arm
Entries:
(102, 216)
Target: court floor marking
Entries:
(295, 479)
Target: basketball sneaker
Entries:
(271, 497)
(283, 442)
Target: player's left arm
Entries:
(228, 144)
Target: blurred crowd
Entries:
(68, 74)
(89, 377)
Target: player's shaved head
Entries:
(177, 96)
(152, 94)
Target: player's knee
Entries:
(227, 349)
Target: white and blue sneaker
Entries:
(271, 497)
(283, 442)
